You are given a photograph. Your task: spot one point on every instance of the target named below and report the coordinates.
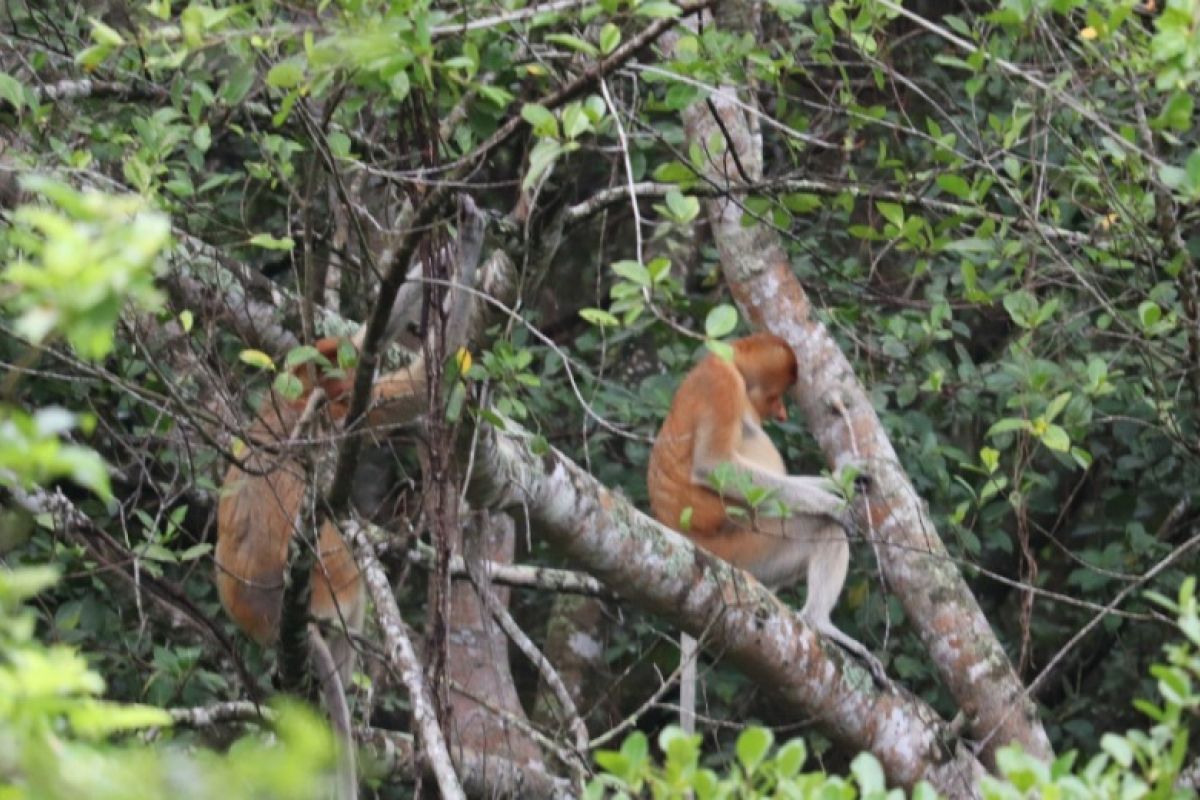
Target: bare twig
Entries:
(402, 657)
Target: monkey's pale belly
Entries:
(758, 447)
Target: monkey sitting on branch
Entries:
(712, 459)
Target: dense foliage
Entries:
(995, 206)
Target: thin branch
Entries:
(521, 576)
(402, 657)
(566, 703)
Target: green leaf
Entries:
(723, 350)
(1057, 405)
(495, 95)
(304, 354)
(573, 42)
(610, 37)
(970, 245)
(541, 159)
(869, 774)
(96, 718)
(104, 35)
(636, 748)
(12, 91)
(632, 271)
(955, 185)
(286, 74)
(1056, 439)
(257, 358)
(240, 80)
(269, 242)
(659, 269)
(574, 121)
(1008, 424)
(202, 138)
(196, 551)
(685, 519)
(721, 320)
(399, 85)
(658, 9)
(1021, 306)
(21, 583)
(1177, 113)
(801, 202)
(790, 758)
(599, 317)
(892, 212)
(339, 144)
(684, 208)
(540, 119)
(1149, 314)
(1192, 172)
(90, 58)
(752, 747)
(288, 386)
(1119, 748)
(923, 791)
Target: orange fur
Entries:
(716, 420)
(705, 423)
(259, 505)
(257, 517)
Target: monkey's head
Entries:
(768, 366)
(335, 381)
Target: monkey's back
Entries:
(256, 518)
(673, 495)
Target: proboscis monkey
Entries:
(712, 457)
(260, 507)
(259, 512)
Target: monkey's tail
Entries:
(339, 713)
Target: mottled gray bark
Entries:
(483, 774)
(660, 571)
(485, 713)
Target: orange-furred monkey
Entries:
(716, 421)
(258, 514)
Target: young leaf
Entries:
(573, 42)
(599, 317)
(285, 75)
(540, 119)
(720, 321)
(610, 37)
(269, 242)
(257, 358)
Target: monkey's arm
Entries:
(799, 493)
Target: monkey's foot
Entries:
(856, 649)
(875, 667)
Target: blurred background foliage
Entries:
(994, 206)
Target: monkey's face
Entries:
(767, 402)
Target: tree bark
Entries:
(660, 571)
(484, 707)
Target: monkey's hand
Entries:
(854, 473)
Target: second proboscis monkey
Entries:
(259, 512)
(712, 456)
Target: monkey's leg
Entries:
(827, 568)
(687, 683)
(339, 713)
